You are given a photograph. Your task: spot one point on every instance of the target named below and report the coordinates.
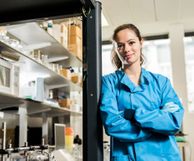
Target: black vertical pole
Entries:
(92, 127)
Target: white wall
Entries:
(176, 34)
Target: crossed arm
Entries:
(134, 126)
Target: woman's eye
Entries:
(131, 42)
(120, 46)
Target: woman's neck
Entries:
(133, 72)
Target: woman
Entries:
(140, 110)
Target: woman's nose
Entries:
(127, 47)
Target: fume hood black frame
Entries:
(18, 11)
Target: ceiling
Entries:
(152, 17)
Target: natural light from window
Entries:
(189, 61)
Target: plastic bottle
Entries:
(69, 139)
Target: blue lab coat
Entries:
(141, 120)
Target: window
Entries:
(157, 57)
(189, 61)
(107, 66)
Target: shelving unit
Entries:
(32, 65)
(89, 10)
(30, 37)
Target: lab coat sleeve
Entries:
(168, 118)
(114, 122)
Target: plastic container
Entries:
(69, 139)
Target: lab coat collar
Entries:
(144, 80)
(145, 77)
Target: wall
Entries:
(176, 35)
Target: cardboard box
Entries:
(74, 30)
(76, 50)
(64, 41)
(60, 33)
(75, 41)
(66, 102)
(75, 46)
(75, 78)
(66, 73)
(64, 35)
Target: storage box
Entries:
(76, 49)
(75, 78)
(64, 35)
(74, 30)
(66, 73)
(75, 41)
(66, 102)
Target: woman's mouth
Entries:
(128, 56)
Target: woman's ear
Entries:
(142, 41)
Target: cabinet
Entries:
(91, 43)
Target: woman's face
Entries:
(129, 46)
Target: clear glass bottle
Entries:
(77, 149)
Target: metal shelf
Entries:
(34, 108)
(30, 65)
(38, 109)
(8, 100)
(35, 37)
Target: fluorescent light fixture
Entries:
(103, 20)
